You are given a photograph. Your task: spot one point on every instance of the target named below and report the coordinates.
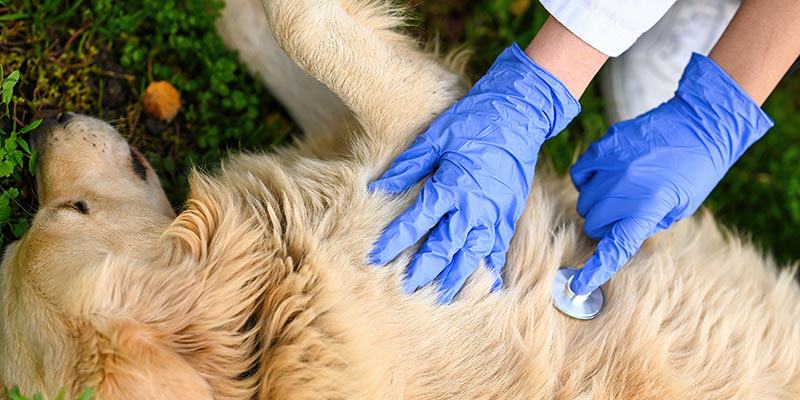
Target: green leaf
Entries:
(15, 16)
(13, 77)
(87, 394)
(10, 144)
(24, 145)
(5, 211)
(37, 396)
(8, 86)
(61, 395)
(33, 125)
(6, 94)
(6, 169)
(32, 163)
(14, 394)
(17, 157)
(12, 192)
(19, 229)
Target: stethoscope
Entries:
(585, 306)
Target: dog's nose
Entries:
(64, 117)
(47, 125)
(41, 131)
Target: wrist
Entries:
(565, 56)
(528, 98)
(759, 45)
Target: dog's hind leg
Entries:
(320, 114)
(352, 46)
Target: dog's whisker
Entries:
(21, 207)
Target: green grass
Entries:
(14, 394)
(96, 57)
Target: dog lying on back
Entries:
(260, 288)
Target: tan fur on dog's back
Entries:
(261, 287)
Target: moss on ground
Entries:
(97, 56)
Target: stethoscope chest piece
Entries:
(576, 306)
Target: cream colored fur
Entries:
(261, 287)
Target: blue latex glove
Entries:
(653, 170)
(482, 153)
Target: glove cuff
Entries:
(529, 95)
(714, 100)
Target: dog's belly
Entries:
(691, 316)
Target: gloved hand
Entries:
(482, 153)
(653, 170)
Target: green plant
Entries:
(14, 394)
(14, 155)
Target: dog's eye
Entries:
(138, 161)
(79, 206)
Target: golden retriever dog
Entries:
(261, 289)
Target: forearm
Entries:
(760, 44)
(566, 56)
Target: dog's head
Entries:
(101, 220)
(98, 197)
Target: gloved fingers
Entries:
(609, 211)
(437, 252)
(412, 225)
(502, 238)
(498, 280)
(663, 224)
(495, 264)
(593, 191)
(410, 167)
(581, 175)
(495, 271)
(613, 251)
(454, 285)
(464, 264)
(497, 259)
(584, 168)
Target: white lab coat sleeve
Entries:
(610, 26)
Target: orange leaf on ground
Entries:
(162, 100)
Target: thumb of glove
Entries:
(410, 167)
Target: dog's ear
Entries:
(137, 362)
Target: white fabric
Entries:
(610, 26)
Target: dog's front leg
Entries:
(393, 89)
